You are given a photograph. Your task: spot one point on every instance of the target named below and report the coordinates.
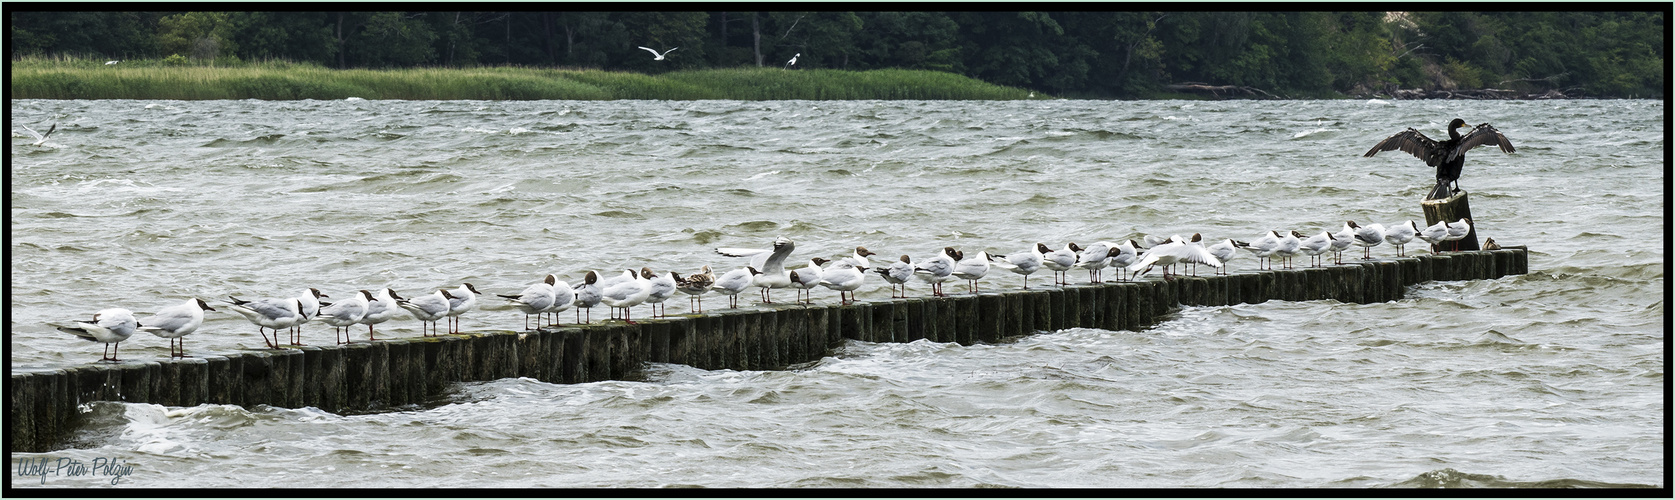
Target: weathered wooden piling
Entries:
(1451, 209)
(392, 373)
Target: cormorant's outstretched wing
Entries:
(1409, 140)
(1483, 134)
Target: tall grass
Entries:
(68, 78)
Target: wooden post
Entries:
(1451, 209)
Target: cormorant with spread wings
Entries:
(1449, 156)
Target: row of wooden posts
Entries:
(395, 373)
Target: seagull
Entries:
(40, 138)
(897, 274)
(587, 296)
(808, 277)
(1094, 258)
(733, 282)
(564, 297)
(1224, 251)
(270, 313)
(659, 56)
(175, 322)
(938, 269)
(111, 326)
(108, 63)
(972, 269)
(769, 264)
(662, 287)
(1289, 245)
(1264, 247)
(382, 309)
(844, 277)
(1435, 234)
(630, 290)
(534, 300)
(461, 301)
(427, 309)
(346, 313)
(793, 61)
(309, 303)
(1368, 237)
(1126, 254)
(1341, 241)
(1457, 231)
(1400, 234)
(1022, 263)
(1314, 246)
(695, 285)
(859, 258)
(1176, 250)
(1059, 261)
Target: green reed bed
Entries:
(83, 79)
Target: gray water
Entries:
(1555, 378)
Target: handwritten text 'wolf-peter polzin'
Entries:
(70, 467)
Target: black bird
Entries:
(1447, 156)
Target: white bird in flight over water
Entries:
(655, 53)
(40, 138)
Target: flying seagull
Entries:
(659, 56)
(40, 137)
(793, 61)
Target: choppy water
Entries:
(1555, 378)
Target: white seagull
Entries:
(108, 63)
(659, 55)
(309, 303)
(1176, 250)
(1289, 246)
(1435, 234)
(1400, 235)
(275, 314)
(844, 277)
(534, 300)
(1367, 237)
(733, 282)
(859, 259)
(346, 313)
(1126, 254)
(588, 295)
(175, 322)
(564, 297)
(972, 269)
(427, 309)
(807, 277)
(382, 309)
(1315, 245)
(1264, 247)
(769, 264)
(1457, 231)
(1095, 258)
(1341, 241)
(111, 326)
(461, 301)
(662, 287)
(897, 274)
(793, 61)
(1022, 263)
(40, 138)
(1225, 251)
(625, 292)
(938, 269)
(1059, 262)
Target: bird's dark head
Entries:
(1457, 123)
(203, 305)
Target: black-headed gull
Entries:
(695, 285)
(625, 292)
(40, 138)
(769, 264)
(1264, 247)
(1435, 234)
(938, 269)
(732, 282)
(1341, 241)
(1400, 234)
(175, 322)
(564, 297)
(805, 278)
(972, 269)
(276, 314)
(1457, 231)
(309, 302)
(1175, 251)
(1224, 251)
(659, 56)
(859, 259)
(1060, 261)
(380, 310)
(1367, 237)
(462, 300)
(897, 274)
(1289, 247)
(1126, 254)
(110, 326)
(1314, 246)
(661, 288)
(346, 313)
(428, 309)
(793, 61)
(589, 294)
(534, 300)
(844, 277)
(1022, 263)
(1095, 258)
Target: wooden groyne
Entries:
(44, 405)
